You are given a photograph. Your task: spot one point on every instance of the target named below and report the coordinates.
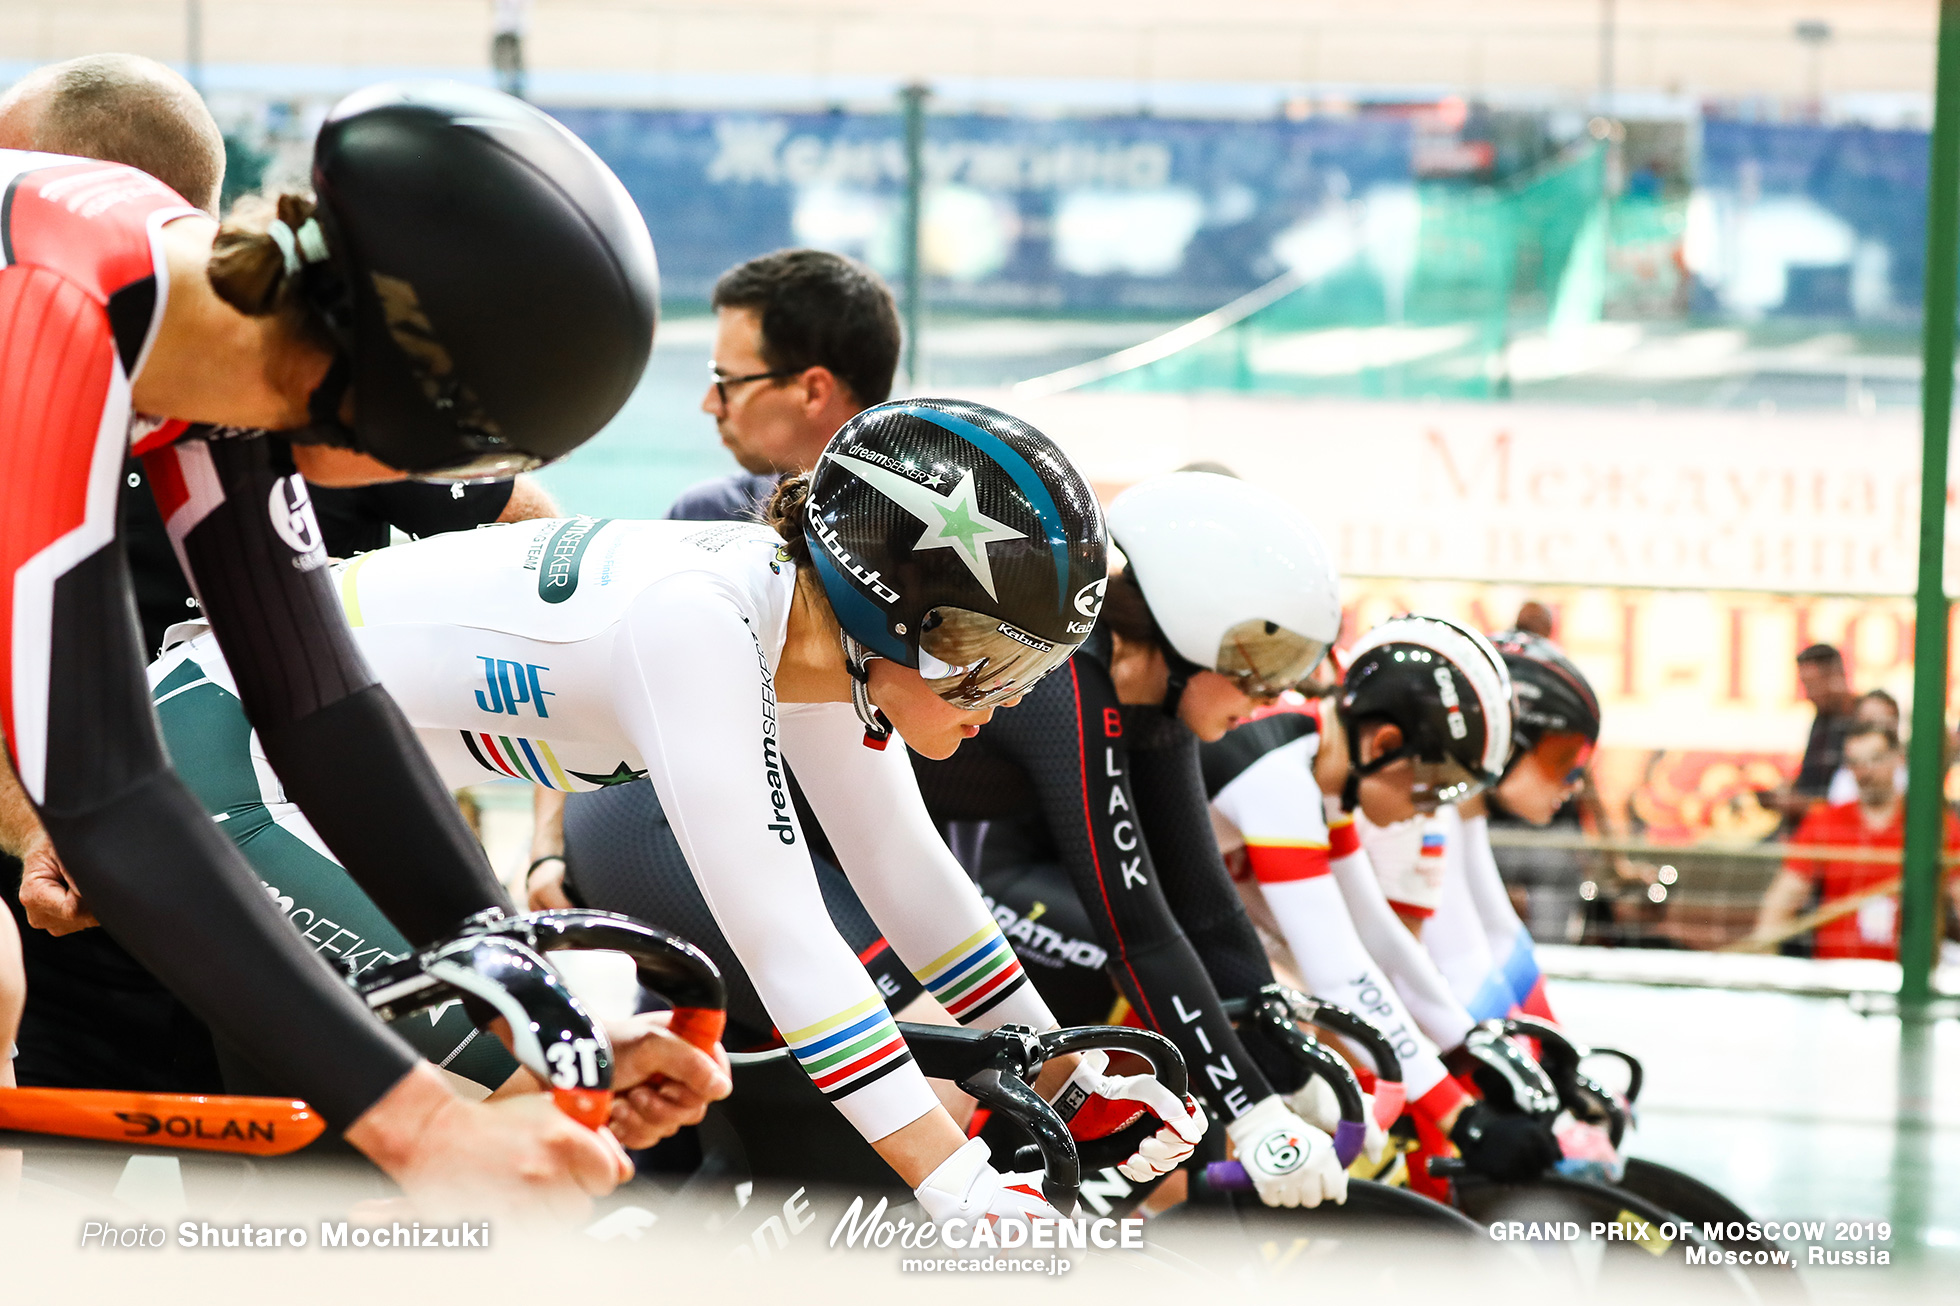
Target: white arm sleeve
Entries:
(1510, 939)
(1455, 936)
(1276, 805)
(929, 909)
(1422, 986)
(696, 699)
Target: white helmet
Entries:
(1236, 578)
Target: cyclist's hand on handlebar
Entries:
(47, 895)
(1315, 1103)
(966, 1187)
(1588, 1148)
(1289, 1162)
(517, 1156)
(1095, 1105)
(1508, 1148)
(662, 1082)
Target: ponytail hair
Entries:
(1126, 613)
(784, 514)
(251, 270)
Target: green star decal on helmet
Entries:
(952, 521)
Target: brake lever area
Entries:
(1348, 1024)
(665, 963)
(1582, 1096)
(1506, 1074)
(498, 960)
(552, 1034)
(996, 1067)
(1166, 1063)
(1272, 1015)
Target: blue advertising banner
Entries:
(1809, 221)
(1021, 214)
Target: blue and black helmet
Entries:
(956, 539)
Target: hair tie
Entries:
(307, 245)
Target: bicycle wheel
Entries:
(1692, 1201)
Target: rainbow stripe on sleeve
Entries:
(520, 759)
(975, 975)
(849, 1050)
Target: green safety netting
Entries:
(1413, 291)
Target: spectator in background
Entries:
(1874, 707)
(1820, 672)
(804, 341)
(1536, 618)
(1876, 818)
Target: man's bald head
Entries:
(121, 108)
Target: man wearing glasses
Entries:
(804, 340)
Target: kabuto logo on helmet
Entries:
(850, 564)
(952, 521)
(1089, 599)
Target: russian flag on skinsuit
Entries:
(974, 975)
(1499, 995)
(1521, 974)
(849, 1050)
(1537, 1004)
(1493, 999)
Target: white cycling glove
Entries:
(1289, 1162)
(1315, 1103)
(1096, 1105)
(966, 1187)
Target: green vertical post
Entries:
(913, 99)
(1919, 899)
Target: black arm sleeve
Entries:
(1170, 792)
(1067, 739)
(342, 748)
(168, 885)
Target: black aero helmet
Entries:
(958, 540)
(1448, 692)
(489, 283)
(1553, 695)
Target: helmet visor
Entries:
(976, 661)
(1267, 659)
(1439, 784)
(1563, 755)
(490, 465)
